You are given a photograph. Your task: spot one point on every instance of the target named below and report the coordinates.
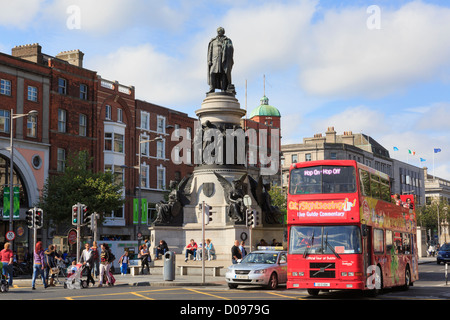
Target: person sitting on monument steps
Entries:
(191, 248)
(162, 248)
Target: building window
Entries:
(145, 146)
(62, 86)
(294, 158)
(118, 142)
(119, 115)
(62, 120)
(145, 120)
(307, 156)
(32, 94)
(189, 133)
(5, 87)
(160, 152)
(83, 125)
(176, 132)
(145, 176)
(83, 92)
(161, 178)
(4, 120)
(61, 160)
(32, 126)
(108, 112)
(108, 141)
(114, 142)
(333, 155)
(161, 124)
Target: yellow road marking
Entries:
(208, 294)
(142, 296)
(285, 296)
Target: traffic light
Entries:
(75, 215)
(208, 214)
(256, 219)
(83, 214)
(250, 218)
(38, 218)
(30, 218)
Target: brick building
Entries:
(24, 86)
(79, 110)
(162, 161)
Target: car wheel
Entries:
(273, 281)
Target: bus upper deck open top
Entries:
(344, 230)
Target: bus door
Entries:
(367, 247)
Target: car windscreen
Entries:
(260, 257)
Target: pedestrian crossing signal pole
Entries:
(203, 241)
(249, 217)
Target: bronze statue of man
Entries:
(220, 62)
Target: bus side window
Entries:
(365, 182)
(375, 186)
(388, 241)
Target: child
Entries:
(72, 269)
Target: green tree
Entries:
(279, 198)
(427, 215)
(97, 190)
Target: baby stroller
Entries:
(74, 280)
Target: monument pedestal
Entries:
(211, 183)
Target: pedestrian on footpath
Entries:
(38, 265)
(123, 262)
(145, 257)
(95, 259)
(87, 260)
(105, 264)
(7, 258)
(236, 254)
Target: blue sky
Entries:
(377, 67)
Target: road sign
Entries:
(10, 235)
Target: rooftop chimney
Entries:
(29, 52)
(74, 57)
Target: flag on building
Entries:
(395, 149)
(436, 150)
(423, 160)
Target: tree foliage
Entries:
(98, 191)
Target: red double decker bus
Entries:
(345, 231)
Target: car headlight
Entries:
(260, 271)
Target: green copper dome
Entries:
(265, 109)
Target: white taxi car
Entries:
(262, 267)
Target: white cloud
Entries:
(19, 13)
(101, 17)
(158, 78)
(345, 58)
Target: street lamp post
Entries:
(140, 186)
(11, 165)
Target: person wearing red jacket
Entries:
(191, 248)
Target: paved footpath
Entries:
(157, 280)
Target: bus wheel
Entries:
(273, 281)
(313, 292)
(407, 279)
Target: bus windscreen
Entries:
(325, 240)
(322, 179)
